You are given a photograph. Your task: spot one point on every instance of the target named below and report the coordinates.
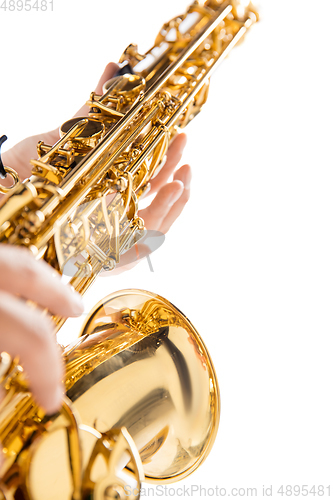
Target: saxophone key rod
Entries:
(173, 119)
(88, 164)
(91, 165)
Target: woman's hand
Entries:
(26, 331)
(19, 156)
(170, 198)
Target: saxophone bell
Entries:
(142, 401)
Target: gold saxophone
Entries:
(142, 400)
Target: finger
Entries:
(184, 175)
(35, 280)
(49, 137)
(109, 71)
(174, 155)
(160, 206)
(29, 335)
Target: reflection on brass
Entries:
(142, 399)
(140, 366)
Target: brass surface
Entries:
(142, 397)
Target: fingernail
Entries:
(184, 139)
(187, 180)
(183, 147)
(78, 306)
(77, 302)
(55, 405)
(175, 195)
(52, 401)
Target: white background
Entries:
(250, 259)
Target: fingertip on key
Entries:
(52, 401)
(77, 305)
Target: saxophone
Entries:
(142, 399)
